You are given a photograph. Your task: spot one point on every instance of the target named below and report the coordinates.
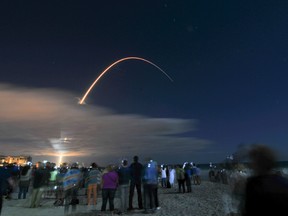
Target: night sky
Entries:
(228, 61)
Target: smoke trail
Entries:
(116, 62)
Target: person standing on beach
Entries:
(4, 184)
(71, 184)
(24, 181)
(163, 177)
(187, 170)
(60, 187)
(92, 180)
(198, 175)
(136, 175)
(172, 176)
(150, 185)
(266, 191)
(180, 176)
(110, 180)
(38, 185)
(2, 192)
(124, 178)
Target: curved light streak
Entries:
(116, 62)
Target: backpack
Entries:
(181, 174)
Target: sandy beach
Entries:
(207, 199)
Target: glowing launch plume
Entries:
(116, 62)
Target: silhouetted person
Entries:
(136, 174)
(266, 191)
(38, 185)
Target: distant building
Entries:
(19, 160)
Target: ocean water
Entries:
(281, 166)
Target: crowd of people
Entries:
(44, 179)
(264, 186)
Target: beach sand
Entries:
(207, 199)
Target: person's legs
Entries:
(151, 203)
(104, 199)
(155, 195)
(94, 189)
(131, 194)
(33, 197)
(74, 199)
(111, 199)
(122, 197)
(179, 185)
(67, 200)
(125, 200)
(25, 189)
(145, 194)
(139, 194)
(39, 197)
(182, 185)
(1, 202)
(198, 179)
(20, 192)
(89, 191)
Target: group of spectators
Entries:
(126, 179)
(184, 175)
(266, 191)
(64, 183)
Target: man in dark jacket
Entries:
(136, 175)
(124, 179)
(38, 185)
